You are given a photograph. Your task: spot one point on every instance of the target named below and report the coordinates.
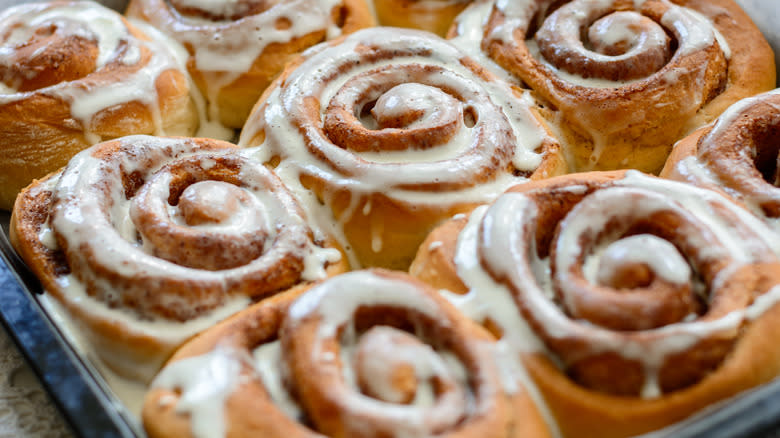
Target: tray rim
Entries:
(77, 390)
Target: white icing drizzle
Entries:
(469, 26)
(375, 354)
(697, 170)
(207, 127)
(533, 49)
(327, 73)
(385, 354)
(87, 96)
(223, 50)
(46, 237)
(77, 197)
(372, 290)
(205, 382)
(268, 363)
(727, 118)
(661, 256)
(488, 299)
(617, 29)
(170, 334)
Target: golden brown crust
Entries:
(249, 410)
(434, 16)
(434, 262)
(244, 331)
(583, 413)
(40, 130)
(234, 100)
(751, 68)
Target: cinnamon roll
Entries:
(364, 354)
(238, 47)
(148, 240)
(623, 80)
(392, 131)
(73, 74)
(432, 15)
(738, 155)
(634, 301)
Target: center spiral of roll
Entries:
(398, 108)
(191, 220)
(620, 45)
(393, 366)
(421, 95)
(658, 296)
(635, 261)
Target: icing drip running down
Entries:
(386, 354)
(404, 122)
(205, 382)
(73, 74)
(626, 77)
(40, 31)
(238, 47)
(719, 242)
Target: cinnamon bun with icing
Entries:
(633, 301)
(389, 132)
(623, 80)
(367, 353)
(738, 155)
(238, 47)
(73, 74)
(147, 240)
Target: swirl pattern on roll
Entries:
(624, 79)
(74, 74)
(165, 229)
(633, 292)
(368, 353)
(738, 155)
(390, 124)
(628, 271)
(238, 47)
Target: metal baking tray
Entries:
(91, 408)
